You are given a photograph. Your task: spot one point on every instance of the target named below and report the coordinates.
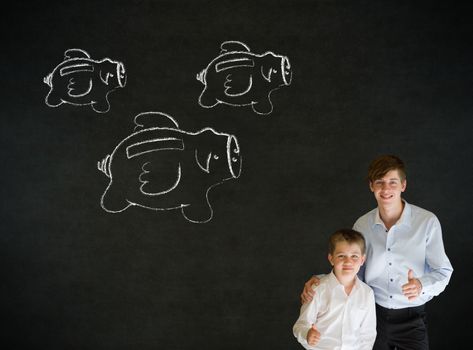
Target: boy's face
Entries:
(388, 189)
(346, 259)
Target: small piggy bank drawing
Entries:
(161, 167)
(238, 77)
(80, 80)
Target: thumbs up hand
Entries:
(313, 336)
(413, 287)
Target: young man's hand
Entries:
(413, 287)
(313, 336)
(308, 293)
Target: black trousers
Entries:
(401, 329)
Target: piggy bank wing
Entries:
(237, 83)
(233, 46)
(77, 75)
(154, 120)
(79, 87)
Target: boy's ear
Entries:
(363, 259)
(330, 259)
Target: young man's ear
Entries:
(403, 185)
(363, 259)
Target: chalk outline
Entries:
(285, 70)
(120, 72)
(105, 164)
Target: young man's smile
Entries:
(389, 188)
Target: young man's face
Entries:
(346, 260)
(388, 189)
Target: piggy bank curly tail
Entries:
(104, 166)
(47, 80)
(201, 76)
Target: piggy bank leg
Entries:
(53, 99)
(113, 200)
(207, 99)
(199, 212)
(263, 106)
(101, 106)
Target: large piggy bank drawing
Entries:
(161, 167)
(238, 77)
(80, 80)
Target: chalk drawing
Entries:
(161, 167)
(80, 80)
(238, 77)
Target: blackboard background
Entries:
(369, 78)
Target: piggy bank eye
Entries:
(215, 157)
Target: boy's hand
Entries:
(313, 336)
(307, 293)
(413, 287)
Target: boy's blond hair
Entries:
(346, 235)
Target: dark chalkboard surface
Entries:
(367, 78)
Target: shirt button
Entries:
(389, 249)
(390, 264)
(390, 296)
(391, 279)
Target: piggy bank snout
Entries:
(121, 74)
(286, 70)
(233, 156)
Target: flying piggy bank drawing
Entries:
(80, 80)
(162, 167)
(238, 77)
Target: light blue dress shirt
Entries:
(414, 242)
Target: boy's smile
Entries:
(346, 261)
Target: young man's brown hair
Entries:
(346, 235)
(381, 165)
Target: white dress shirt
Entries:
(345, 322)
(414, 242)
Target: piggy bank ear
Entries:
(202, 159)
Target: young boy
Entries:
(342, 313)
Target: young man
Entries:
(342, 314)
(406, 264)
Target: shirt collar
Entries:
(405, 218)
(334, 283)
